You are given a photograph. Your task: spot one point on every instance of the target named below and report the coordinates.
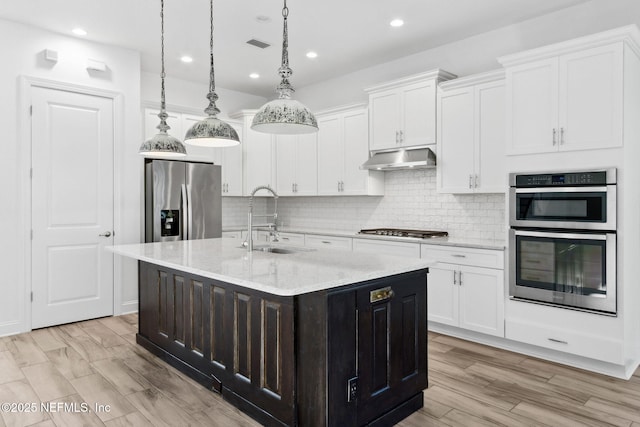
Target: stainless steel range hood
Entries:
(405, 158)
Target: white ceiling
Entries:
(348, 35)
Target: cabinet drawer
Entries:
(578, 343)
(293, 238)
(320, 241)
(404, 249)
(464, 256)
(232, 234)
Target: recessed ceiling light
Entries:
(397, 23)
(312, 55)
(254, 75)
(186, 59)
(79, 32)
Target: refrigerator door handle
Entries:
(189, 214)
(185, 212)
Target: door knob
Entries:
(105, 234)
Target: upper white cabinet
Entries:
(230, 158)
(569, 96)
(403, 112)
(343, 145)
(258, 151)
(296, 165)
(471, 135)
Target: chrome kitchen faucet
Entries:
(273, 227)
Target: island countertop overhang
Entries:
(288, 274)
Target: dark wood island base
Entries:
(348, 356)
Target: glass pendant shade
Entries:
(162, 145)
(211, 131)
(284, 115)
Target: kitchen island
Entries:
(291, 337)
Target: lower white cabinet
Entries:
(466, 296)
(321, 241)
(292, 238)
(404, 249)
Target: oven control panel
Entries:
(561, 179)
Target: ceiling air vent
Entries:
(258, 43)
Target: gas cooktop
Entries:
(400, 232)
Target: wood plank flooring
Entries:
(97, 362)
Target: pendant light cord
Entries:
(284, 88)
(212, 110)
(163, 126)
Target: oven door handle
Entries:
(602, 189)
(576, 236)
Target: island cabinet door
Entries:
(392, 344)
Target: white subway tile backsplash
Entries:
(410, 201)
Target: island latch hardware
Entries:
(381, 294)
(352, 389)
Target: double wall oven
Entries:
(563, 239)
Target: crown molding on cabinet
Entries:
(438, 74)
(475, 79)
(629, 34)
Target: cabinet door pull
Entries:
(454, 278)
(470, 181)
(296, 187)
(401, 137)
(475, 181)
(554, 136)
(397, 137)
(459, 278)
(381, 294)
(561, 136)
(557, 341)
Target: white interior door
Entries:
(72, 144)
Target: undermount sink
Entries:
(281, 249)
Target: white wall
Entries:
(22, 46)
(478, 53)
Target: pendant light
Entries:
(211, 131)
(284, 115)
(162, 144)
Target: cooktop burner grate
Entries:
(400, 232)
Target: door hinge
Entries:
(352, 389)
(32, 296)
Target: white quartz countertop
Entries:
(306, 270)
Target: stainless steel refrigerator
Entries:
(183, 200)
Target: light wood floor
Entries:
(98, 362)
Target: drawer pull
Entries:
(458, 256)
(381, 294)
(284, 238)
(557, 341)
(326, 242)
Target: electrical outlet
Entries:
(352, 389)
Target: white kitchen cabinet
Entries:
(333, 242)
(403, 112)
(296, 239)
(584, 334)
(343, 140)
(566, 97)
(471, 135)
(296, 165)
(468, 294)
(258, 154)
(403, 249)
(230, 159)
